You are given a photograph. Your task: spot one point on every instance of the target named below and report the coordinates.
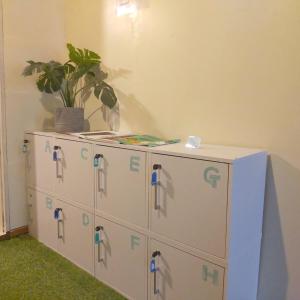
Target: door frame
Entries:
(4, 205)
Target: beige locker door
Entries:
(121, 184)
(74, 173)
(189, 204)
(121, 259)
(47, 225)
(32, 213)
(40, 167)
(75, 240)
(181, 276)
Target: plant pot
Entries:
(69, 119)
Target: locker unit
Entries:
(121, 258)
(121, 184)
(75, 229)
(74, 180)
(39, 165)
(178, 275)
(163, 223)
(183, 200)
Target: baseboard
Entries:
(4, 236)
(18, 231)
(14, 232)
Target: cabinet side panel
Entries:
(247, 192)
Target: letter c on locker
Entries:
(84, 153)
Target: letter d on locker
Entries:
(85, 219)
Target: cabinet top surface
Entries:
(217, 153)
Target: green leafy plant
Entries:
(79, 76)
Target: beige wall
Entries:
(33, 29)
(228, 71)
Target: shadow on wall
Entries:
(274, 278)
(49, 103)
(128, 109)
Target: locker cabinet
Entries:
(164, 223)
(189, 201)
(75, 229)
(39, 164)
(74, 172)
(121, 184)
(121, 258)
(178, 275)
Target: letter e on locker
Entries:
(134, 163)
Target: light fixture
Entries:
(126, 7)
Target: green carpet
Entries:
(29, 270)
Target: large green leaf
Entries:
(33, 67)
(83, 57)
(51, 78)
(106, 94)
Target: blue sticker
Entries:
(97, 238)
(96, 162)
(135, 163)
(152, 266)
(54, 155)
(56, 213)
(154, 178)
(211, 176)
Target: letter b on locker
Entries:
(134, 163)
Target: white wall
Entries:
(228, 71)
(33, 29)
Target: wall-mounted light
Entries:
(126, 7)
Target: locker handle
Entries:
(156, 204)
(57, 217)
(98, 240)
(154, 270)
(59, 235)
(155, 182)
(99, 171)
(57, 161)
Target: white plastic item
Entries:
(193, 142)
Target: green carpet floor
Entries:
(29, 270)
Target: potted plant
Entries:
(79, 76)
